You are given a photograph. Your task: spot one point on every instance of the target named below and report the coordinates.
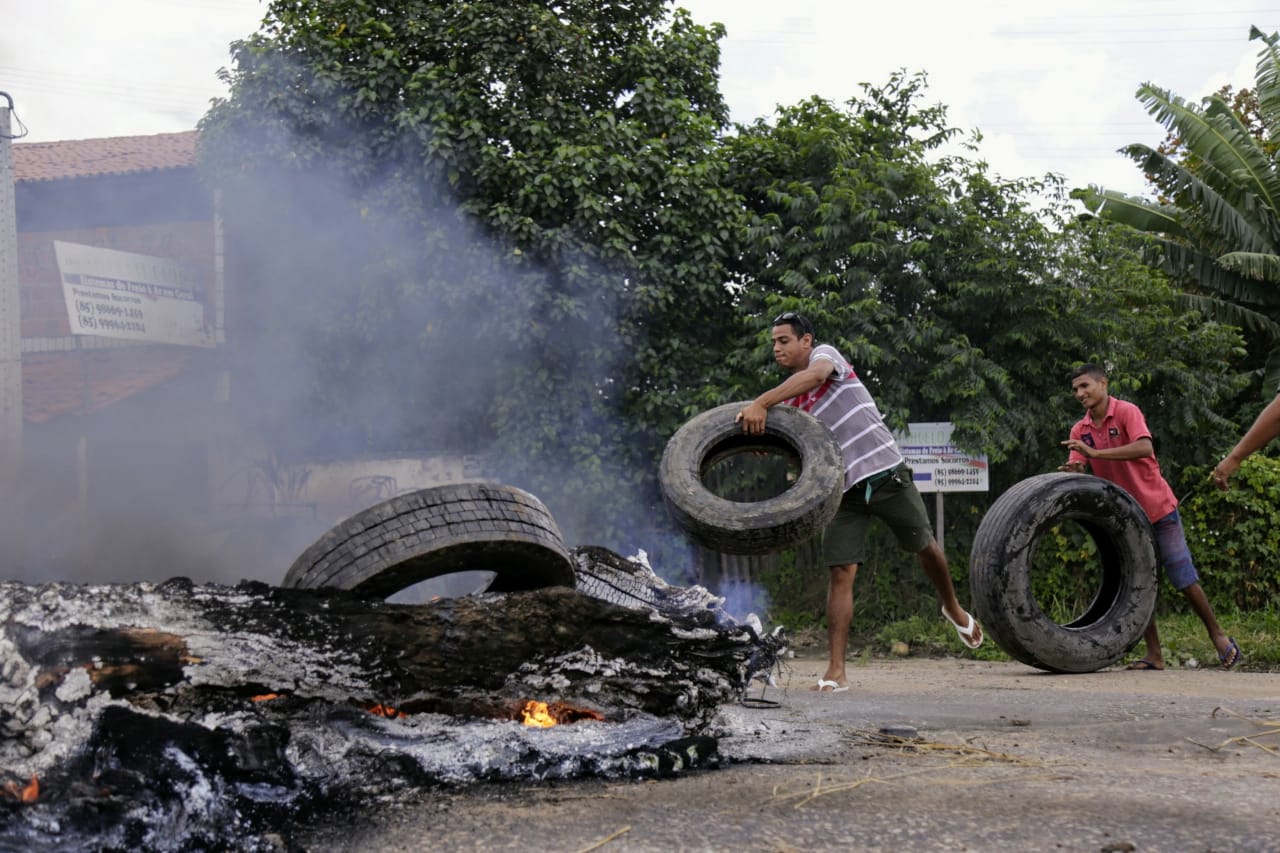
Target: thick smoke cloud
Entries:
(352, 334)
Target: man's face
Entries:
(791, 352)
(1089, 390)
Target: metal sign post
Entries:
(11, 507)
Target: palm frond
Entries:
(1219, 145)
(1133, 211)
(1231, 314)
(1248, 227)
(1267, 83)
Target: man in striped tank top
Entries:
(877, 482)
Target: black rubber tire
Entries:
(759, 527)
(438, 531)
(1000, 572)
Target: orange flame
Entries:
(266, 697)
(537, 714)
(28, 794)
(387, 711)
(32, 791)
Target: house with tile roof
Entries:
(135, 464)
(113, 425)
(138, 194)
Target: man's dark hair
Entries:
(800, 325)
(1089, 369)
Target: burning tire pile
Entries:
(178, 716)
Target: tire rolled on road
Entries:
(438, 531)
(1000, 572)
(757, 527)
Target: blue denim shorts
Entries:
(1171, 549)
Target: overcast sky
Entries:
(1050, 85)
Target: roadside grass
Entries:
(1183, 639)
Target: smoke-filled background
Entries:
(442, 240)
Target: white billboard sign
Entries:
(938, 464)
(116, 294)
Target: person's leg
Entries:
(1154, 658)
(1200, 604)
(843, 546)
(1171, 544)
(899, 505)
(839, 618)
(934, 562)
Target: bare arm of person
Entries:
(752, 416)
(1265, 428)
(1133, 450)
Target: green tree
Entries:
(957, 296)
(1232, 535)
(497, 225)
(1218, 218)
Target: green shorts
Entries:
(895, 500)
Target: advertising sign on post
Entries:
(116, 294)
(938, 464)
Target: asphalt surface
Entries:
(921, 754)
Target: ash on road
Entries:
(1004, 757)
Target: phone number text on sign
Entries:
(952, 478)
(97, 312)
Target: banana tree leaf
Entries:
(1133, 211)
(1255, 265)
(1216, 142)
(1267, 83)
(1242, 220)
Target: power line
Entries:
(106, 85)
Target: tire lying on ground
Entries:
(438, 531)
(1000, 572)
(758, 527)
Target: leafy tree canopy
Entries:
(1218, 215)
(496, 225)
(955, 295)
(525, 229)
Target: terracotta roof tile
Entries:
(54, 383)
(116, 155)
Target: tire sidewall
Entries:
(1001, 571)
(756, 527)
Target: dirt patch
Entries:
(1002, 757)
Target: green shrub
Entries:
(1234, 538)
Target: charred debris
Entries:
(179, 716)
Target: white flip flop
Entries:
(966, 633)
(825, 686)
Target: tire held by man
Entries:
(1000, 572)
(757, 527)
(438, 531)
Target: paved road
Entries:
(1005, 758)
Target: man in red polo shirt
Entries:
(1112, 438)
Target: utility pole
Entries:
(12, 492)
